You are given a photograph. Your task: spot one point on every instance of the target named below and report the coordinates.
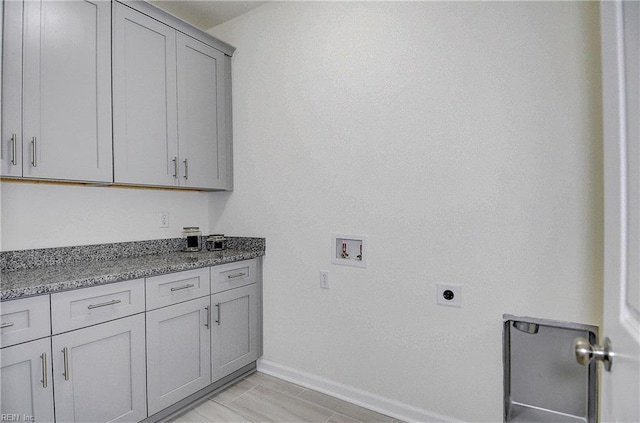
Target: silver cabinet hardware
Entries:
(108, 303)
(237, 275)
(186, 169)
(175, 167)
(208, 322)
(586, 353)
(65, 357)
(218, 321)
(43, 357)
(6, 325)
(178, 288)
(14, 149)
(34, 151)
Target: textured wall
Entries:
(463, 139)
(42, 215)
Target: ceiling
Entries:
(206, 14)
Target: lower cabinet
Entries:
(178, 352)
(100, 372)
(26, 379)
(111, 356)
(234, 330)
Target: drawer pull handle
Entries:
(14, 150)
(65, 357)
(237, 275)
(108, 303)
(218, 321)
(43, 357)
(6, 325)
(34, 152)
(208, 322)
(178, 288)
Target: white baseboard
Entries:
(391, 408)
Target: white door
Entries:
(67, 90)
(178, 352)
(621, 95)
(99, 372)
(26, 382)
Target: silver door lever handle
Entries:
(586, 353)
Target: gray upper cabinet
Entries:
(140, 99)
(171, 102)
(145, 132)
(58, 73)
(11, 146)
(201, 114)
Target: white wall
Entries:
(463, 139)
(45, 215)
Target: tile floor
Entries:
(263, 398)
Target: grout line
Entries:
(330, 417)
(193, 410)
(297, 396)
(238, 411)
(227, 405)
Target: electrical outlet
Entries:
(449, 295)
(164, 220)
(324, 279)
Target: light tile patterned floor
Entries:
(263, 398)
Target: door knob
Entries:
(586, 353)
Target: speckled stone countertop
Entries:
(24, 281)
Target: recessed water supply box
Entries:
(349, 250)
(543, 382)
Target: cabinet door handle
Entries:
(6, 325)
(186, 169)
(43, 357)
(14, 149)
(218, 321)
(65, 357)
(237, 275)
(207, 324)
(175, 167)
(108, 303)
(178, 288)
(34, 151)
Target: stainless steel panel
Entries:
(542, 380)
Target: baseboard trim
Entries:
(382, 405)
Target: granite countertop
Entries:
(61, 277)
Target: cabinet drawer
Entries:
(24, 320)
(177, 287)
(89, 306)
(233, 275)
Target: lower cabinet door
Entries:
(234, 330)
(26, 380)
(178, 352)
(99, 372)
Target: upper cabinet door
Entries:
(66, 90)
(144, 100)
(11, 146)
(201, 114)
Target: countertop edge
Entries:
(103, 279)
